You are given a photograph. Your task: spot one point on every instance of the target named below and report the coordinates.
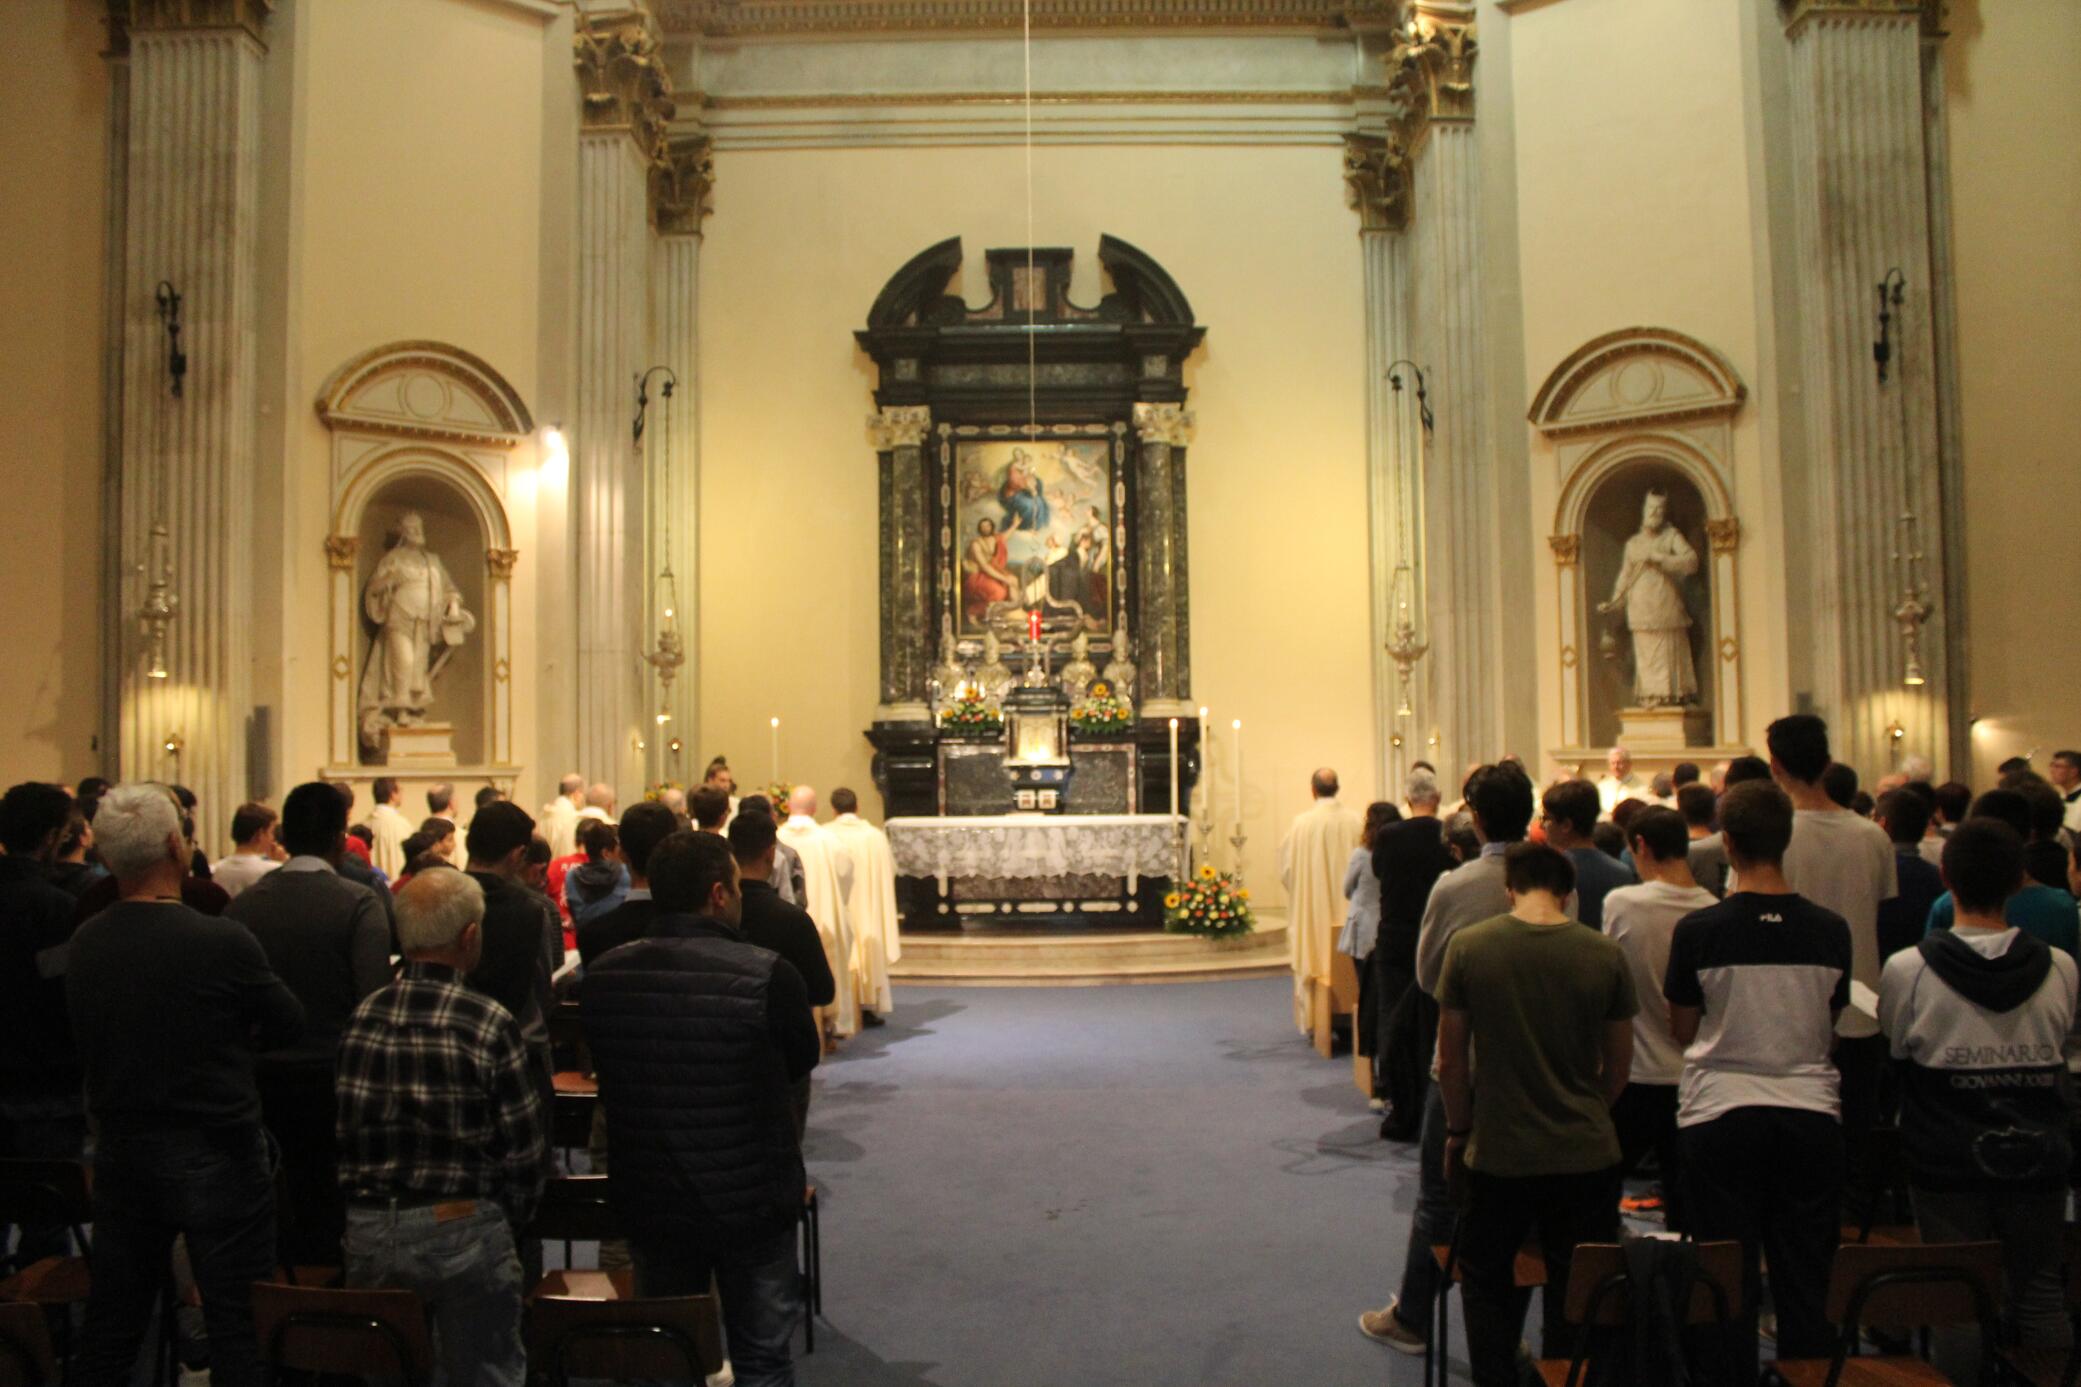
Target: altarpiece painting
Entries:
(1034, 519)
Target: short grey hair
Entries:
(600, 796)
(570, 784)
(435, 907)
(141, 817)
(1421, 788)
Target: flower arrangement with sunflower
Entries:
(971, 717)
(657, 791)
(1212, 904)
(778, 794)
(1101, 713)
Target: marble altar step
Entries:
(1088, 958)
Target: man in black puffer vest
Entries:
(697, 1036)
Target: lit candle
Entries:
(1174, 768)
(776, 751)
(1033, 624)
(1237, 753)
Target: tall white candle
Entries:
(1174, 768)
(1237, 754)
(775, 779)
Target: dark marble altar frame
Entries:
(948, 371)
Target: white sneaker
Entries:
(1377, 1104)
(726, 1378)
(1386, 1326)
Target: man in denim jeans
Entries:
(694, 1019)
(441, 1140)
(166, 1004)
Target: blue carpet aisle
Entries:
(1145, 1185)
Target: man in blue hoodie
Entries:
(1978, 1016)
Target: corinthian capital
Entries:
(679, 186)
(1930, 13)
(1376, 172)
(147, 16)
(1171, 424)
(1430, 67)
(899, 426)
(621, 69)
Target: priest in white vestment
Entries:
(871, 905)
(560, 817)
(827, 878)
(1311, 864)
(1620, 783)
(389, 827)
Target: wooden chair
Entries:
(567, 1038)
(26, 1359)
(1900, 1289)
(46, 1194)
(571, 1112)
(574, 1209)
(1528, 1272)
(1877, 1189)
(1600, 1297)
(676, 1338)
(2055, 1367)
(352, 1333)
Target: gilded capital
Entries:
(341, 549)
(1725, 534)
(1430, 66)
(128, 17)
(679, 186)
(1167, 423)
(899, 426)
(621, 69)
(1376, 176)
(499, 562)
(1567, 549)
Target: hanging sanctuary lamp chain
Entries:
(1404, 646)
(669, 654)
(1912, 609)
(161, 603)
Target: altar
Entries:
(970, 871)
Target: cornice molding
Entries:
(127, 18)
(1376, 175)
(803, 18)
(622, 73)
(680, 184)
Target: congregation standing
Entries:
(332, 1047)
(1757, 979)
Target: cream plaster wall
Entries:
(1260, 241)
(1634, 209)
(53, 114)
(419, 215)
(2015, 127)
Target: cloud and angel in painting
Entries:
(1035, 533)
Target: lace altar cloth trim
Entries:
(1122, 845)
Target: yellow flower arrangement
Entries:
(1206, 873)
(1170, 902)
(1213, 904)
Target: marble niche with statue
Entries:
(1638, 428)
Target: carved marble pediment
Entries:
(425, 390)
(1636, 376)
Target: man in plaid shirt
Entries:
(441, 1139)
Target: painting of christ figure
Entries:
(1033, 532)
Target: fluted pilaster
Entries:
(606, 474)
(1862, 207)
(1394, 494)
(675, 489)
(1461, 543)
(190, 218)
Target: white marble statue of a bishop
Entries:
(827, 878)
(1312, 860)
(871, 905)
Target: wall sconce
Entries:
(675, 746)
(1891, 290)
(169, 301)
(161, 604)
(1395, 741)
(1896, 731)
(174, 745)
(555, 457)
(1423, 395)
(643, 397)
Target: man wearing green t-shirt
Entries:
(1548, 1007)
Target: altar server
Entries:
(871, 904)
(827, 877)
(560, 816)
(1311, 864)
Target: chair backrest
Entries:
(1598, 1285)
(1903, 1288)
(44, 1192)
(364, 1333)
(2073, 1268)
(567, 1035)
(1880, 1170)
(574, 1208)
(672, 1337)
(25, 1346)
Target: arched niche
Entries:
(424, 427)
(1641, 409)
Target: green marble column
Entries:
(899, 434)
(1162, 632)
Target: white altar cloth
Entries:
(1035, 845)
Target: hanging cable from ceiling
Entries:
(1032, 378)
